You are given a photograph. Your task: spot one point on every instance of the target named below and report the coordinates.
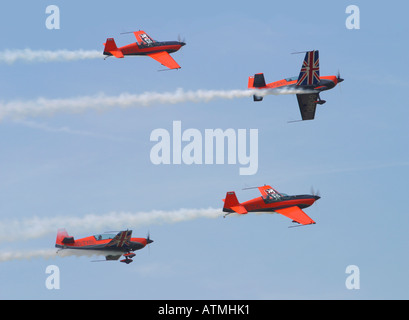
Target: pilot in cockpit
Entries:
(271, 197)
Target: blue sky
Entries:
(354, 152)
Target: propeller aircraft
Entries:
(146, 46)
(273, 201)
(307, 85)
(112, 245)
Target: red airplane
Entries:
(113, 246)
(307, 85)
(273, 201)
(146, 46)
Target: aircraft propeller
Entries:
(315, 193)
(148, 241)
(339, 79)
(181, 40)
(148, 238)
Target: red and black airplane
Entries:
(307, 86)
(112, 246)
(272, 201)
(146, 46)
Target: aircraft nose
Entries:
(340, 80)
(317, 198)
(148, 241)
(182, 43)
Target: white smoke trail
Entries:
(48, 254)
(44, 106)
(35, 227)
(18, 109)
(26, 255)
(28, 55)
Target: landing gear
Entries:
(126, 260)
(319, 101)
(128, 257)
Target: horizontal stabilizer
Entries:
(68, 240)
(256, 81)
(239, 209)
(117, 54)
(259, 80)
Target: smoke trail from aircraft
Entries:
(36, 227)
(27, 255)
(18, 109)
(27, 55)
(48, 254)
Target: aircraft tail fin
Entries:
(255, 82)
(111, 49)
(63, 238)
(232, 204)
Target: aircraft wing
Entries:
(307, 104)
(165, 59)
(143, 38)
(267, 190)
(120, 240)
(296, 214)
(263, 190)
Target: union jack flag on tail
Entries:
(310, 70)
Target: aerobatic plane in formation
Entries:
(146, 46)
(111, 245)
(308, 80)
(273, 201)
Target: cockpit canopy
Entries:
(275, 196)
(104, 236)
(291, 79)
